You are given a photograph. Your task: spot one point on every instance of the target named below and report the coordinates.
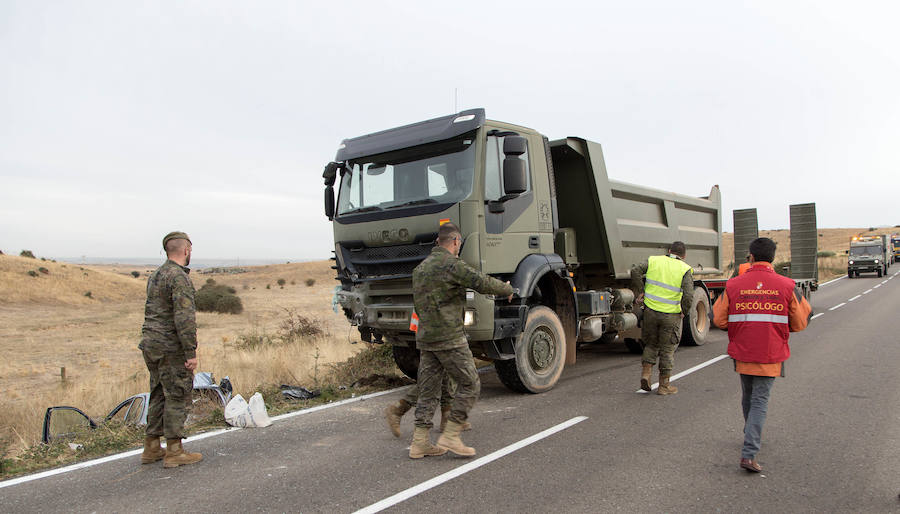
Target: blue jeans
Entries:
(755, 402)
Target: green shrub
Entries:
(310, 282)
(268, 286)
(88, 294)
(213, 297)
(32, 273)
(26, 253)
(135, 274)
(282, 282)
(230, 304)
(825, 253)
(871, 229)
(293, 282)
(44, 270)
(210, 282)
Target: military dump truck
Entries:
(868, 254)
(542, 214)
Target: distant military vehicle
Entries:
(868, 254)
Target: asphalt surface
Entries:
(830, 442)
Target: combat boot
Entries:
(445, 415)
(450, 440)
(176, 456)
(152, 450)
(421, 445)
(664, 387)
(393, 413)
(646, 370)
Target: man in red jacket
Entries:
(759, 309)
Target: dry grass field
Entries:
(47, 322)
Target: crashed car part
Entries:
(132, 411)
(62, 422)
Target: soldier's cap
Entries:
(175, 235)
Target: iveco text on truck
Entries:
(539, 213)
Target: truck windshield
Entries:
(860, 251)
(441, 172)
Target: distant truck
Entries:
(542, 214)
(895, 248)
(868, 254)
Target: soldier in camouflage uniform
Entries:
(439, 295)
(667, 296)
(169, 346)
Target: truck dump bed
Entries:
(618, 224)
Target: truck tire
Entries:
(635, 346)
(540, 354)
(878, 272)
(696, 321)
(407, 360)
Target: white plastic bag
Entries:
(239, 413)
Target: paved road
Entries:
(830, 443)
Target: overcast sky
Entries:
(121, 121)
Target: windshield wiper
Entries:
(362, 209)
(414, 202)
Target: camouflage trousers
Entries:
(171, 387)
(448, 387)
(458, 366)
(661, 332)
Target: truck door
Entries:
(513, 233)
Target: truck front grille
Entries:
(372, 263)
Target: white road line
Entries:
(854, 298)
(130, 453)
(867, 291)
(838, 306)
(475, 464)
(686, 372)
(833, 280)
(884, 281)
(876, 286)
(817, 315)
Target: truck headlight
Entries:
(469, 318)
(876, 261)
(851, 262)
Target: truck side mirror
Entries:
(515, 179)
(330, 173)
(329, 202)
(514, 146)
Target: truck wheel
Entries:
(540, 354)
(696, 321)
(878, 272)
(407, 360)
(634, 345)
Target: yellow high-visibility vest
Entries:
(662, 291)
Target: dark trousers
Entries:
(755, 393)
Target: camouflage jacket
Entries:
(439, 295)
(169, 321)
